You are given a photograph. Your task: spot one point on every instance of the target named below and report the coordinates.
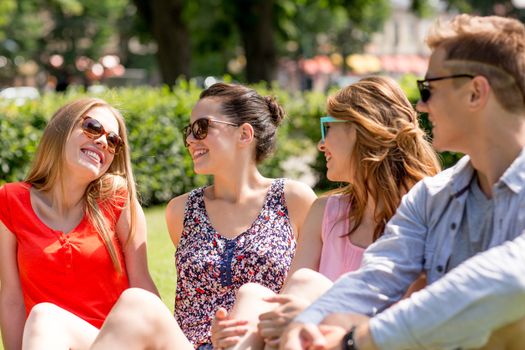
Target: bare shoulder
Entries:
(298, 194)
(316, 212)
(175, 216)
(176, 205)
(299, 198)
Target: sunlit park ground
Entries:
(161, 256)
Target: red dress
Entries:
(73, 270)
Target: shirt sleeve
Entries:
(461, 309)
(5, 216)
(389, 265)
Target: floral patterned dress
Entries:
(212, 268)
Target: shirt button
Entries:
(439, 268)
(453, 226)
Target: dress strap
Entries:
(276, 195)
(194, 206)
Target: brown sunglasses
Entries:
(199, 128)
(93, 129)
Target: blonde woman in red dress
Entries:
(72, 234)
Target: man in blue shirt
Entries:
(463, 228)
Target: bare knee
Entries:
(44, 328)
(253, 291)
(42, 316)
(148, 312)
(135, 299)
(307, 283)
(303, 276)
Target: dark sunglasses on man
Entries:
(93, 129)
(199, 128)
(424, 86)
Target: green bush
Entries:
(155, 116)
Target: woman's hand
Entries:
(272, 324)
(226, 332)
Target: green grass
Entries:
(160, 256)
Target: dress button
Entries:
(453, 226)
(439, 268)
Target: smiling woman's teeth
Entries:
(199, 153)
(93, 155)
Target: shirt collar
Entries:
(514, 176)
(461, 176)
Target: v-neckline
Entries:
(259, 215)
(46, 226)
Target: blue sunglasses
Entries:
(329, 119)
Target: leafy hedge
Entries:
(155, 116)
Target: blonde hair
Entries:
(492, 46)
(116, 186)
(391, 152)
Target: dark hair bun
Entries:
(276, 111)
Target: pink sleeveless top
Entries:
(338, 254)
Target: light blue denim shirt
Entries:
(419, 237)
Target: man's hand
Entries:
(226, 332)
(291, 337)
(272, 324)
(335, 326)
(328, 335)
(311, 337)
(332, 337)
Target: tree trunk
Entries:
(255, 21)
(165, 20)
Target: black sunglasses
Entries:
(424, 86)
(199, 128)
(93, 129)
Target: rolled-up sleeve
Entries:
(483, 294)
(389, 265)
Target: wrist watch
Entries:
(348, 342)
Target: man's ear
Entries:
(480, 92)
(247, 133)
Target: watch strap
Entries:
(348, 342)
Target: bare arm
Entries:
(135, 250)
(12, 308)
(175, 217)
(299, 199)
(310, 242)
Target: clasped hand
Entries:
(226, 332)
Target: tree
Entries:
(37, 29)
(196, 37)
(168, 26)
(7, 8)
(488, 7)
(255, 20)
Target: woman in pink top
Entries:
(373, 143)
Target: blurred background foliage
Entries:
(174, 38)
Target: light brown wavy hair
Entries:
(117, 185)
(492, 46)
(391, 152)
